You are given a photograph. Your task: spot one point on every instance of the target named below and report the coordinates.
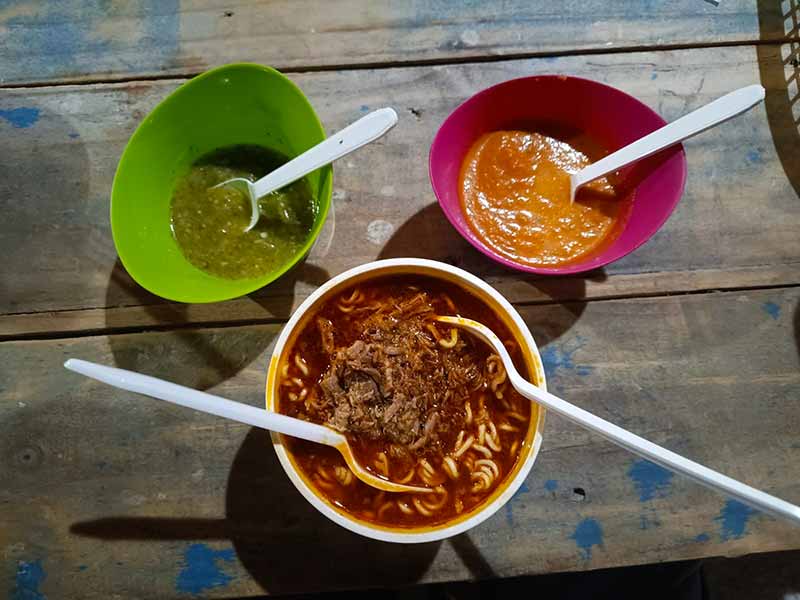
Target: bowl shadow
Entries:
(214, 358)
(285, 544)
(288, 546)
(49, 232)
(428, 234)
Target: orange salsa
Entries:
(514, 189)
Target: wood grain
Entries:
(735, 227)
(105, 495)
(70, 40)
(263, 310)
(113, 493)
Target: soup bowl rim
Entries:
(505, 490)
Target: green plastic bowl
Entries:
(230, 105)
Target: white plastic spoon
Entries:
(235, 411)
(708, 116)
(622, 437)
(367, 129)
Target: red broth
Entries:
(480, 422)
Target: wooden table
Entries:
(691, 341)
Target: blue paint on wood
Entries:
(21, 118)
(61, 38)
(653, 76)
(772, 309)
(364, 108)
(754, 156)
(651, 481)
(201, 569)
(703, 537)
(587, 534)
(561, 356)
(733, 519)
(523, 489)
(551, 485)
(30, 576)
(82, 567)
(439, 11)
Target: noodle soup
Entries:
(420, 402)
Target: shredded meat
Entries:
(396, 383)
(326, 334)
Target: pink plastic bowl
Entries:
(608, 116)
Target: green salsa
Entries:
(209, 224)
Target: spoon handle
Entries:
(367, 129)
(695, 122)
(207, 403)
(655, 453)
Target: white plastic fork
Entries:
(626, 439)
(695, 122)
(367, 129)
(236, 411)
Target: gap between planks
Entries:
(92, 322)
(401, 64)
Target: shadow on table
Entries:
(428, 234)
(199, 358)
(49, 226)
(280, 539)
(779, 69)
(287, 545)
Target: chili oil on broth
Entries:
(514, 190)
(209, 223)
(470, 459)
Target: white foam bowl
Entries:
(504, 310)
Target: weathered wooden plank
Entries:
(735, 227)
(74, 40)
(124, 495)
(251, 310)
